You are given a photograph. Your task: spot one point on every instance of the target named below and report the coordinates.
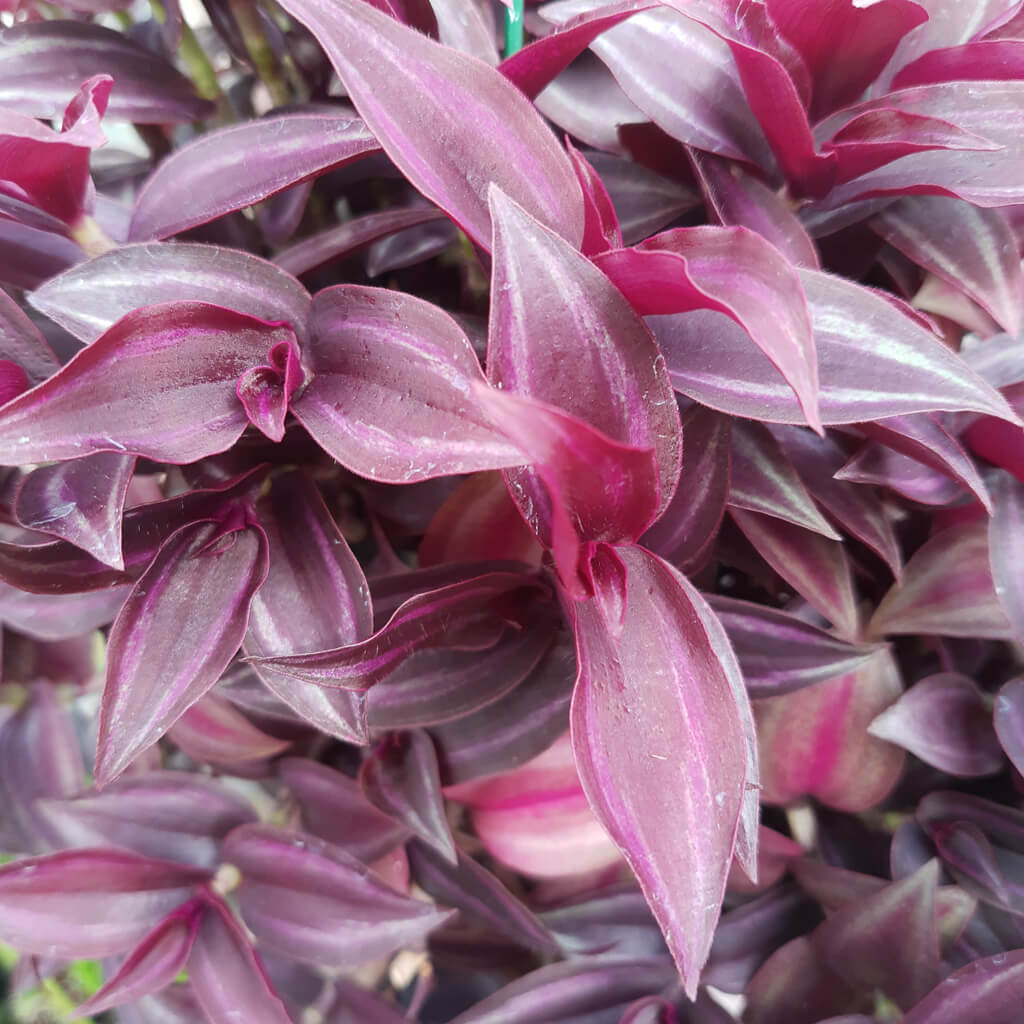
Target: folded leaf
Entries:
(601, 226)
(467, 125)
(316, 903)
(199, 586)
(160, 383)
(42, 63)
(1006, 549)
(88, 299)
(658, 730)
(288, 148)
(88, 903)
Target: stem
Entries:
(803, 825)
(248, 17)
(514, 27)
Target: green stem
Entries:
(248, 17)
(514, 27)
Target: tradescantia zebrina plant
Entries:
(533, 539)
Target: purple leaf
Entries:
(737, 198)
(291, 148)
(173, 815)
(379, 357)
(21, 342)
(157, 960)
(199, 586)
(982, 59)
(877, 465)
(814, 742)
(479, 896)
(989, 990)
(355, 1005)
(80, 501)
(160, 383)
(943, 720)
(424, 621)
(779, 653)
(88, 299)
(947, 589)
(468, 27)
(601, 226)
(313, 902)
(215, 731)
(59, 616)
(689, 525)
(226, 975)
(88, 903)
(972, 249)
(1008, 719)
(410, 246)
(44, 62)
(548, 305)
(763, 480)
(732, 271)
(873, 362)
(817, 568)
(658, 730)
(338, 242)
(28, 257)
(1006, 549)
(333, 807)
(468, 126)
(400, 777)
(314, 598)
(581, 990)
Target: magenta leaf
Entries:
(764, 480)
(982, 59)
(227, 976)
(689, 525)
(400, 777)
(88, 903)
(160, 383)
(943, 720)
(814, 741)
(315, 597)
(947, 589)
(816, 567)
(601, 225)
(199, 586)
(333, 807)
(779, 652)
(735, 272)
(873, 362)
(1006, 549)
(59, 616)
(154, 963)
(290, 148)
(21, 342)
(534, 346)
(989, 989)
(173, 815)
(44, 62)
(313, 902)
(80, 501)
(971, 248)
(88, 299)
(874, 464)
(655, 714)
(214, 730)
(467, 127)
(1008, 718)
(403, 365)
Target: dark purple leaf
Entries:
(314, 598)
(779, 652)
(88, 903)
(21, 342)
(333, 807)
(479, 896)
(379, 357)
(313, 902)
(597, 992)
(44, 62)
(336, 243)
(989, 990)
(173, 815)
(199, 587)
(411, 246)
(289, 148)
(91, 297)
(226, 975)
(400, 777)
(658, 730)
(80, 501)
(355, 1005)
(29, 257)
(873, 362)
(215, 731)
(468, 127)
(1008, 718)
(947, 589)
(160, 383)
(1006, 549)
